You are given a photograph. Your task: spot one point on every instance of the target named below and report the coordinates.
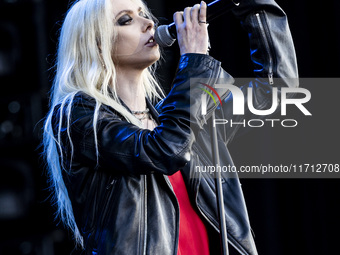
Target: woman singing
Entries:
(121, 166)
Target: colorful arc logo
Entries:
(209, 93)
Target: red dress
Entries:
(193, 236)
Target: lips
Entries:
(151, 42)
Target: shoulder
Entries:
(82, 99)
(79, 102)
(82, 106)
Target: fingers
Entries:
(194, 13)
(178, 18)
(191, 28)
(202, 16)
(187, 15)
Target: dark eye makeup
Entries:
(126, 19)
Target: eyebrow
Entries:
(127, 11)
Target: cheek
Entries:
(127, 44)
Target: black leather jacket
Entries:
(126, 204)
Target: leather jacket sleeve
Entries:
(125, 147)
(273, 56)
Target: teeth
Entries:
(151, 40)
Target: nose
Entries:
(148, 25)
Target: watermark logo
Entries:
(204, 97)
(240, 102)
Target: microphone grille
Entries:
(163, 37)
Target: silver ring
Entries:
(237, 4)
(200, 21)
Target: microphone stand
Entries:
(219, 190)
(218, 10)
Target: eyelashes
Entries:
(127, 19)
(124, 20)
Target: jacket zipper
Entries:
(266, 45)
(198, 154)
(172, 190)
(145, 215)
(109, 196)
(206, 216)
(111, 183)
(209, 218)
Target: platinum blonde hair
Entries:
(84, 63)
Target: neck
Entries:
(130, 90)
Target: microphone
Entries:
(166, 35)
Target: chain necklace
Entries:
(140, 112)
(145, 115)
(141, 115)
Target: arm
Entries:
(272, 54)
(126, 147)
(271, 44)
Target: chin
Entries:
(154, 59)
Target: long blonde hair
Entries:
(84, 63)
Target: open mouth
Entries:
(151, 41)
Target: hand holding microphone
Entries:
(166, 35)
(191, 27)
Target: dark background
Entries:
(288, 216)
